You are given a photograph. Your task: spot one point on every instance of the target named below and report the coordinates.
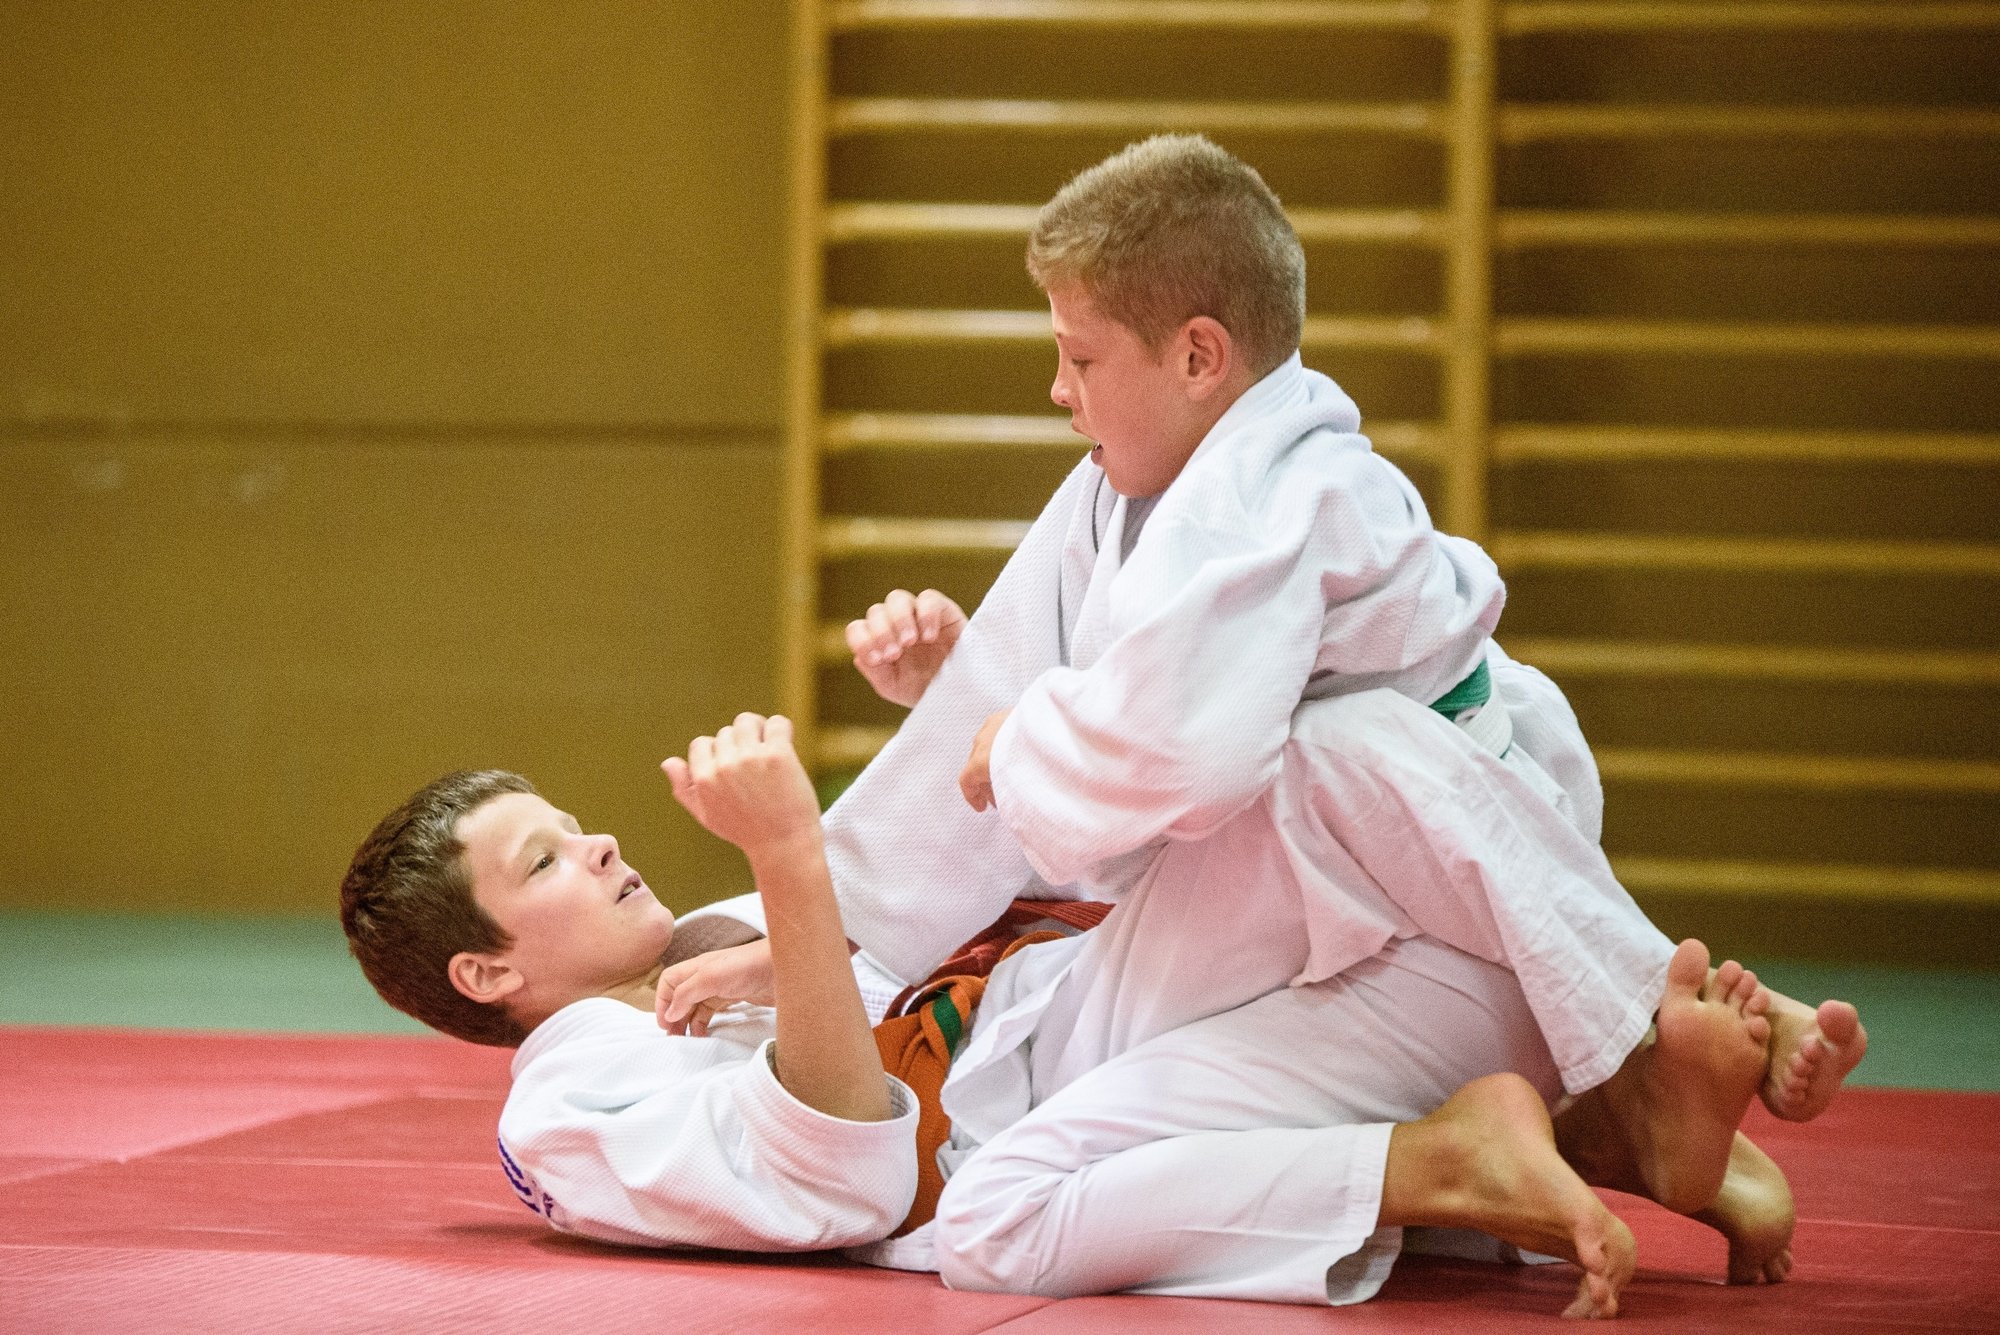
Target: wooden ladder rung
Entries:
(1647, 660)
(848, 746)
(882, 220)
(919, 221)
(1719, 876)
(1041, 433)
(1753, 338)
(845, 538)
(844, 328)
(1548, 550)
(832, 643)
(1526, 441)
(841, 747)
(842, 433)
(1328, 332)
(854, 326)
(1521, 229)
(858, 15)
(1720, 662)
(1798, 772)
(1528, 124)
(890, 115)
(1526, 16)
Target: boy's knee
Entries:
(1362, 734)
(991, 1232)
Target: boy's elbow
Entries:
(868, 1207)
(1220, 785)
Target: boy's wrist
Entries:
(802, 848)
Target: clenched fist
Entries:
(745, 784)
(903, 641)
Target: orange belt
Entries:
(927, 1024)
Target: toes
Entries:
(1733, 986)
(1746, 988)
(1759, 1003)
(1595, 1298)
(1806, 1061)
(1688, 970)
(1758, 1027)
(1584, 1306)
(1839, 1023)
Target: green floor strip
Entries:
(169, 972)
(1927, 1028)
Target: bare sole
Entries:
(1487, 1160)
(1662, 1127)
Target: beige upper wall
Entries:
(442, 213)
(383, 389)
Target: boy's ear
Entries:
(1208, 355)
(485, 979)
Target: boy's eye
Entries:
(545, 860)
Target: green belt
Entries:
(949, 1021)
(1475, 690)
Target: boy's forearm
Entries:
(705, 934)
(826, 1053)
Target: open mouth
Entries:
(632, 886)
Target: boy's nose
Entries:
(1059, 392)
(605, 853)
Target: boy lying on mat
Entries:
(487, 913)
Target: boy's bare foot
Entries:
(1487, 1160)
(1812, 1051)
(1754, 1211)
(1664, 1125)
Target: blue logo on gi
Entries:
(524, 1186)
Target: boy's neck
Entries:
(690, 939)
(1219, 407)
(641, 991)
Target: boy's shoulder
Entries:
(593, 1020)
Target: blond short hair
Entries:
(1171, 228)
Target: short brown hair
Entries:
(1171, 228)
(406, 905)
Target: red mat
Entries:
(224, 1183)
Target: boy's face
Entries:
(581, 921)
(1133, 404)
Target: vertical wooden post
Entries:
(798, 589)
(1469, 210)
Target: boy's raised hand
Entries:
(691, 992)
(903, 641)
(745, 784)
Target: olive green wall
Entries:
(383, 389)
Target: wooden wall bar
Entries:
(385, 389)
(1690, 310)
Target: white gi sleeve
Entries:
(918, 871)
(1325, 571)
(746, 909)
(617, 1131)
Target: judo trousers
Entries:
(1200, 1102)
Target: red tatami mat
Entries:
(240, 1183)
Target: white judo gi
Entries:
(1153, 756)
(616, 1130)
